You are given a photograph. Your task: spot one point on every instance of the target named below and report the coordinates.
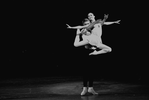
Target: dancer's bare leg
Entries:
(77, 41)
(104, 48)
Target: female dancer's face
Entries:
(91, 16)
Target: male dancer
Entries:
(93, 38)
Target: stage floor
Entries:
(64, 89)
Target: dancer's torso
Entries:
(95, 37)
(97, 30)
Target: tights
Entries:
(87, 79)
(87, 72)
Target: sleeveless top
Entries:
(93, 39)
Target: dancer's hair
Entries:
(90, 14)
(85, 20)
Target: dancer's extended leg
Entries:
(104, 49)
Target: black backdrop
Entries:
(37, 43)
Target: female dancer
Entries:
(95, 37)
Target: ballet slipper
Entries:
(84, 91)
(91, 90)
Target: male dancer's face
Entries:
(85, 31)
(87, 22)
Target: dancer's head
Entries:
(91, 17)
(86, 21)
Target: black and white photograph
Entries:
(74, 50)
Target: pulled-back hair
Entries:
(85, 20)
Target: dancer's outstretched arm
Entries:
(76, 27)
(109, 23)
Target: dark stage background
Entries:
(35, 41)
